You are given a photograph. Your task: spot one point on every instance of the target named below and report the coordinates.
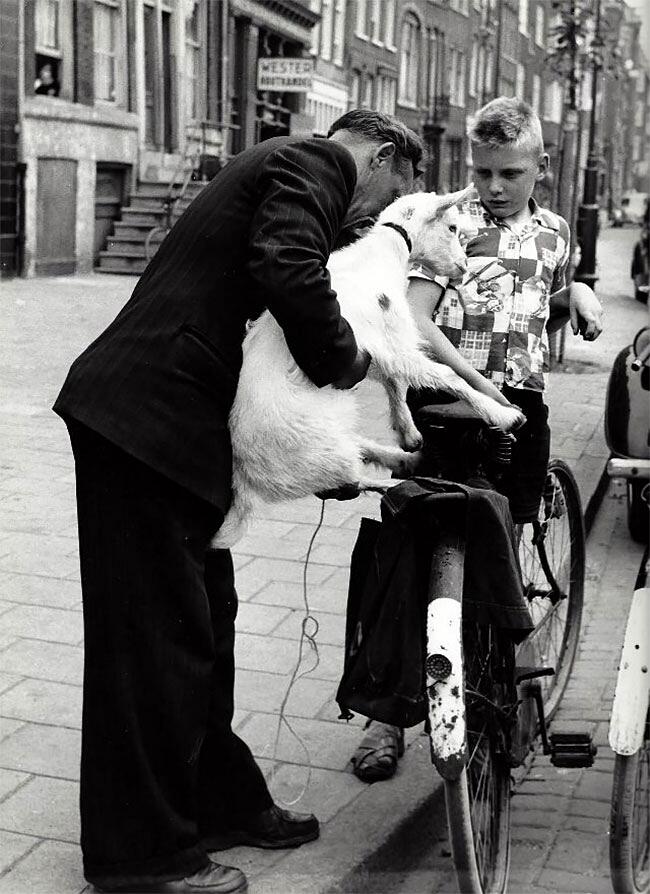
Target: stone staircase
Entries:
(125, 247)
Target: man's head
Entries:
(508, 155)
(387, 155)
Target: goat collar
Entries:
(402, 232)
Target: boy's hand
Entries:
(585, 311)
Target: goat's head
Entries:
(435, 227)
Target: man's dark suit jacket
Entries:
(160, 380)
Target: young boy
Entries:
(492, 327)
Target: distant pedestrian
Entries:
(492, 328)
(163, 777)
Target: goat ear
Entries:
(455, 198)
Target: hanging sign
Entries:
(282, 75)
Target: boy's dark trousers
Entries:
(160, 765)
(523, 482)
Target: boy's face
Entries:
(505, 177)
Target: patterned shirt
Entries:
(497, 317)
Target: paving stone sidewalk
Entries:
(45, 323)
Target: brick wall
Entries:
(8, 135)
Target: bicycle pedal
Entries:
(572, 749)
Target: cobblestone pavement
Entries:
(45, 324)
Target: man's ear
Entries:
(384, 153)
(542, 166)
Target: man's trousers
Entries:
(160, 765)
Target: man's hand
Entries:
(355, 373)
(585, 311)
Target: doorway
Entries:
(56, 210)
(157, 77)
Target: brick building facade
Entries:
(104, 103)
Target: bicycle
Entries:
(510, 694)
(487, 702)
(629, 730)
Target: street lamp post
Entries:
(588, 211)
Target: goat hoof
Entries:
(412, 442)
(409, 464)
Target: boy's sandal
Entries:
(377, 754)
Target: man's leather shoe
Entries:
(272, 828)
(212, 879)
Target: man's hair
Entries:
(507, 122)
(382, 128)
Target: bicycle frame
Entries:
(444, 665)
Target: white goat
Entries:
(290, 438)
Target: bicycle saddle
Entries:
(456, 412)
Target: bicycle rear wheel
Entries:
(478, 803)
(629, 828)
(552, 557)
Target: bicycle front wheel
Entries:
(552, 558)
(629, 829)
(478, 803)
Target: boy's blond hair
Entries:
(507, 122)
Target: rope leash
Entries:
(306, 636)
